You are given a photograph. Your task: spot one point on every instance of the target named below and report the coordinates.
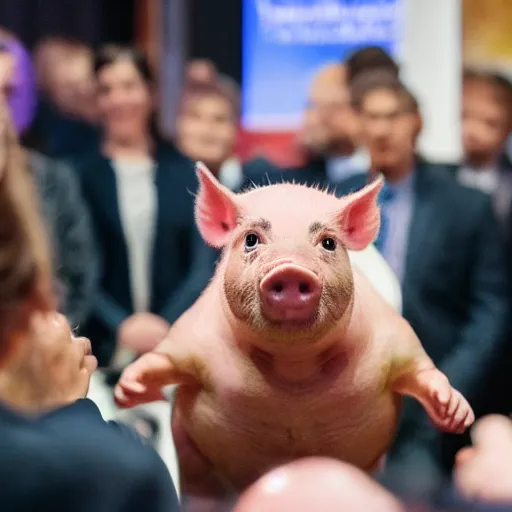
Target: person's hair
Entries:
(67, 46)
(206, 64)
(500, 84)
(25, 268)
(221, 88)
(112, 53)
(369, 58)
(378, 80)
(57, 49)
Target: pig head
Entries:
(285, 273)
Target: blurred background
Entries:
(110, 92)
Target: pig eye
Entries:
(329, 244)
(251, 241)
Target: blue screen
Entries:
(285, 42)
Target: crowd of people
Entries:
(125, 259)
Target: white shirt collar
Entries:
(485, 179)
(231, 173)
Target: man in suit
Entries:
(443, 242)
(328, 136)
(486, 126)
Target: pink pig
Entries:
(289, 352)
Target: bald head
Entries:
(330, 75)
(317, 484)
(329, 126)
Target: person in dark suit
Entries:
(443, 241)
(65, 124)
(486, 126)
(56, 452)
(139, 190)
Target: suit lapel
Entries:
(421, 235)
(107, 186)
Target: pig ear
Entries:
(216, 209)
(359, 217)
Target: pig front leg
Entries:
(414, 374)
(201, 488)
(142, 381)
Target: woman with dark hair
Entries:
(140, 192)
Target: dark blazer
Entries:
(69, 224)
(455, 287)
(60, 136)
(72, 460)
(502, 196)
(498, 399)
(175, 244)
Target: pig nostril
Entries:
(278, 287)
(304, 288)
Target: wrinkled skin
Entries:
(288, 353)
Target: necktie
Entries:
(385, 197)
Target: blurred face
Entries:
(201, 71)
(124, 100)
(7, 64)
(206, 129)
(71, 84)
(388, 129)
(329, 121)
(485, 123)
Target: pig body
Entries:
(288, 353)
(248, 418)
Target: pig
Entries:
(289, 352)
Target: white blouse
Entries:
(137, 199)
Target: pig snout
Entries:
(289, 292)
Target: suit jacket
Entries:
(500, 382)
(502, 198)
(69, 224)
(455, 292)
(72, 460)
(175, 244)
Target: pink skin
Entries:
(288, 353)
(317, 484)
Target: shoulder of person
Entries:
(258, 167)
(46, 459)
(168, 153)
(459, 199)
(89, 163)
(51, 174)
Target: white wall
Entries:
(431, 56)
